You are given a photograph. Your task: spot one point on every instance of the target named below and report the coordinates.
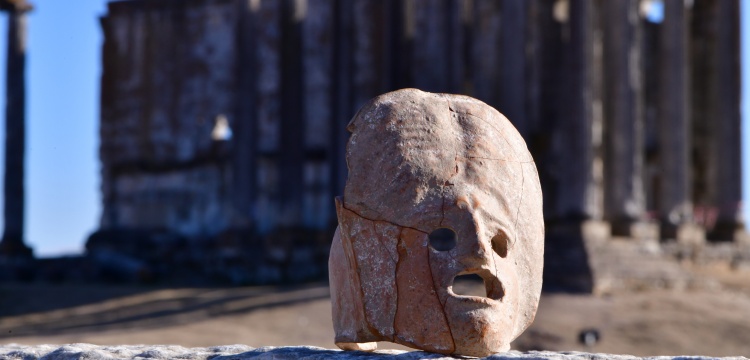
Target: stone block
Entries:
(567, 266)
(243, 352)
(730, 231)
(688, 233)
(583, 256)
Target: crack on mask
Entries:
(442, 304)
(442, 210)
(392, 338)
(518, 211)
(455, 172)
(494, 265)
(382, 220)
(395, 278)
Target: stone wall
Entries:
(169, 72)
(600, 98)
(241, 352)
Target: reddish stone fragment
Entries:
(420, 318)
(374, 248)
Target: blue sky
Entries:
(62, 179)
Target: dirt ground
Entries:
(700, 322)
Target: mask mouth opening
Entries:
(480, 283)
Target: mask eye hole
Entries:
(442, 239)
(500, 244)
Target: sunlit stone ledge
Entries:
(240, 352)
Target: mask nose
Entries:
(473, 248)
(478, 253)
(478, 248)
(476, 244)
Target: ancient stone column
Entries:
(317, 55)
(624, 194)
(268, 15)
(673, 116)
(430, 19)
(566, 92)
(293, 128)
(341, 97)
(369, 50)
(726, 135)
(512, 70)
(715, 107)
(580, 193)
(243, 127)
(12, 245)
(499, 57)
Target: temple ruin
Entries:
(223, 122)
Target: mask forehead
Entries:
(405, 156)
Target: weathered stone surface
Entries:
(241, 352)
(417, 292)
(349, 296)
(419, 162)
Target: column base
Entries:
(567, 256)
(729, 232)
(687, 233)
(16, 260)
(640, 230)
(583, 256)
(13, 249)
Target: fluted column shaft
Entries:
(580, 192)
(674, 204)
(15, 138)
(726, 138)
(624, 200)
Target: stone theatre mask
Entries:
(439, 186)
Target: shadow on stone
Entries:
(143, 308)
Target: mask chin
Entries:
(483, 328)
